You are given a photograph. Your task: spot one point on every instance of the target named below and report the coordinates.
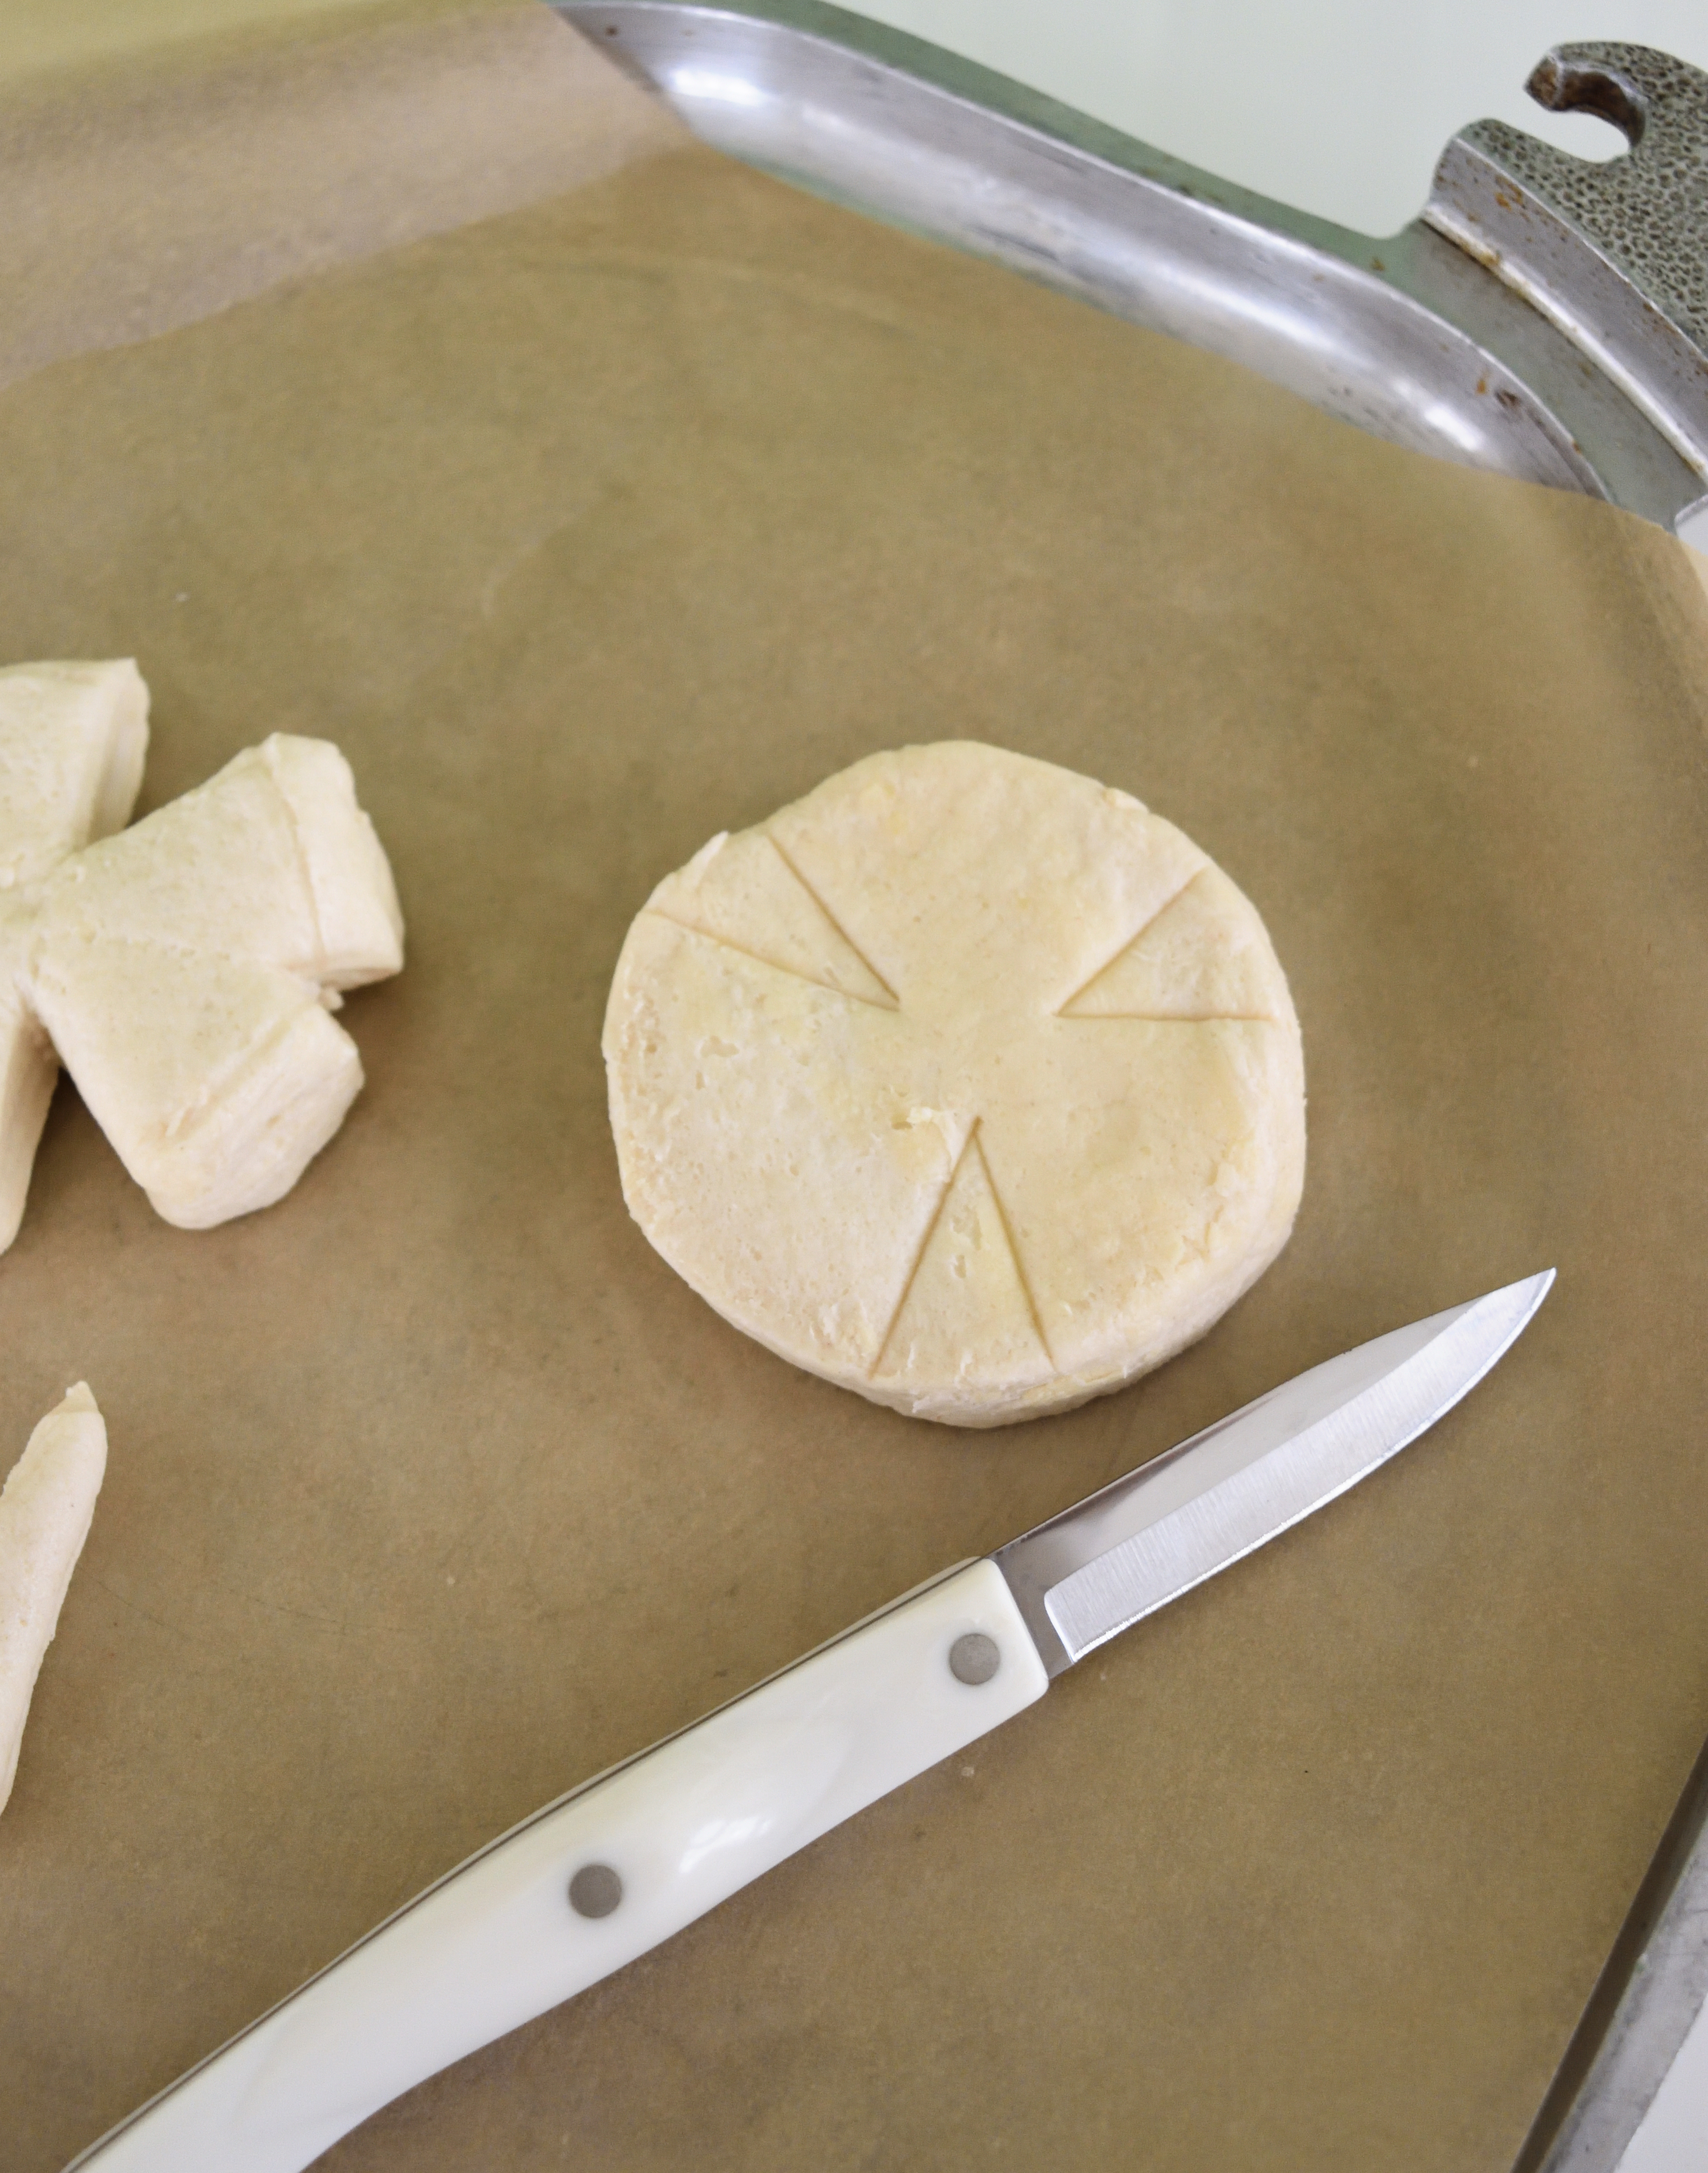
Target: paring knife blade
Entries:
(618, 1865)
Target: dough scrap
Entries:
(965, 1082)
(45, 1509)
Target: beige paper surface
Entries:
(611, 522)
(145, 197)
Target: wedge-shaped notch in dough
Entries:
(746, 893)
(966, 1321)
(1068, 1138)
(184, 968)
(45, 1514)
(1204, 955)
(73, 741)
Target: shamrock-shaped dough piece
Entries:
(45, 1512)
(964, 1082)
(73, 741)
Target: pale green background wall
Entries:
(1338, 106)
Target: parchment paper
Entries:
(587, 531)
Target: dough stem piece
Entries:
(44, 1513)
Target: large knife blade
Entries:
(618, 1865)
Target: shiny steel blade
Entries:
(1129, 1550)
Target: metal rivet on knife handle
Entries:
(595, 1890)
(974, 1659)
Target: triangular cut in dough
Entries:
(1203, 957)
(966, 1318)
(743, 892)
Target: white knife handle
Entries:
(681, 1827)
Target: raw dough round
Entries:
(964, 1082)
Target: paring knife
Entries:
(615, 1867)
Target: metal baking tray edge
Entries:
(1459, 347)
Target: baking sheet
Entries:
(587, 530)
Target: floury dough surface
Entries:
(965, 1081)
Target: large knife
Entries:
(613, 1868)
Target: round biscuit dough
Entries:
(964, 1082)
